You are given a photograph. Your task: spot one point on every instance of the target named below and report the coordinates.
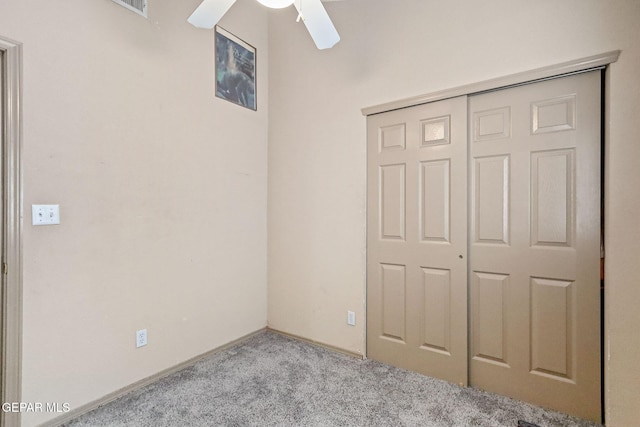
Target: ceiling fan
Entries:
(312, 13)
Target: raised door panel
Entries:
(552, 328)
(436, 312)
(491, 200)
(488, 317)
(392, 138)
(552, 197)
(435, 219)
(393, 283)
(392, 202)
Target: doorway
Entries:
(524, 320)
(11, 227)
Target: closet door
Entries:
(535, 243)
(417, 239)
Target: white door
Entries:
(417, 239)
(535, 243)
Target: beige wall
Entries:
(317, 145)
(162, 189)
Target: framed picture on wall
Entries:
(235, 68)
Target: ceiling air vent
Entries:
(137, 6)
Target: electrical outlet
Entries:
(351, 318)
(141, 338)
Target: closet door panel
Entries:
(535, 222)
(417, 239)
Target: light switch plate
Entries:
(45, 214)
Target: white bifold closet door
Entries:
(512, 177)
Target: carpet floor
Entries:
(272, 380)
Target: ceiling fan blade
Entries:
(318, 23)
(209, 13)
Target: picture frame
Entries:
(235, 69)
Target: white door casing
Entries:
(11, 138)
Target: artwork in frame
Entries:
(235, 69)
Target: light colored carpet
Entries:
(272, 380)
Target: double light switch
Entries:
(45, 214)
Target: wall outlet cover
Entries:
(141, 338)
(351, 318)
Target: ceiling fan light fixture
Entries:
(276, 4)
(315, 17)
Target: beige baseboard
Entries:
(143, 382)
(318, 343)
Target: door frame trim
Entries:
(569, 67)
(11, 343)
